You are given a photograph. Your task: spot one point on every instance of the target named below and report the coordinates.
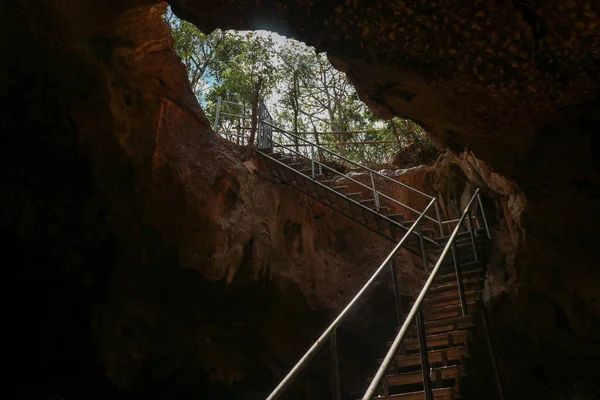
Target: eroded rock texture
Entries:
(145, 261)
(142, 255)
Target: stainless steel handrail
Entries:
(325, 335)
(371, 171)
(361, 184)
(413, 311)
(356, 203)
(350, 161)
(363, 167)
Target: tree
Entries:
(201, 54)
(308, 95)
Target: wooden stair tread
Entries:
(438, 356)
(409, 378)
(438, 313)
(449, 324)
(438, 394)
(438, 340)
(439, 289)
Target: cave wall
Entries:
(145, 260)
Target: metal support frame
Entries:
(423, 250)
(285, 382)
(375, 193)
(427, 385)
(335, 371)
(398, 300)
(439, 218)
(472, 234)
(485, 223)
(375, 382)
(425, 369)
(459, 280)
(490, 344)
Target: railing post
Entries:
(427, 386)
(375, 194)
(459, 280)
(335, 373)
(473, 243)
(437, 213)
(487, 228)
(397, 298)
(423, 250)
(490, 344)
(312, 159)
(217, 114)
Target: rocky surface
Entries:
(136, 238)
(147, 262)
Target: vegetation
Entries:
(303, 92)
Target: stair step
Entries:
(438, 375)
(329, 182)
(384, 210)
(356, 196)
(287, 160)
(436, 357)
(447, 312)
(397, 217)
(447, 266)
(307, 172)
(341, 189)
(368, 203)
(438, 394)
(468, 276)
(478, 232)
(441, 289)
(440, 340)
(449, 299)
(277, 156)
(449, 324)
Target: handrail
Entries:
(330, 329)
(413, 311)
(348, 160)
(366, 168)
(362, 184)
(365, 208)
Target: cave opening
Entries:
(305, 98)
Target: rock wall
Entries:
(143, 259)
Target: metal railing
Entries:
(321, 158)
(331, 329)
(416, 312)
(319, 166)
(356, 203)
(373, 186)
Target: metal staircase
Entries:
(443, 313)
